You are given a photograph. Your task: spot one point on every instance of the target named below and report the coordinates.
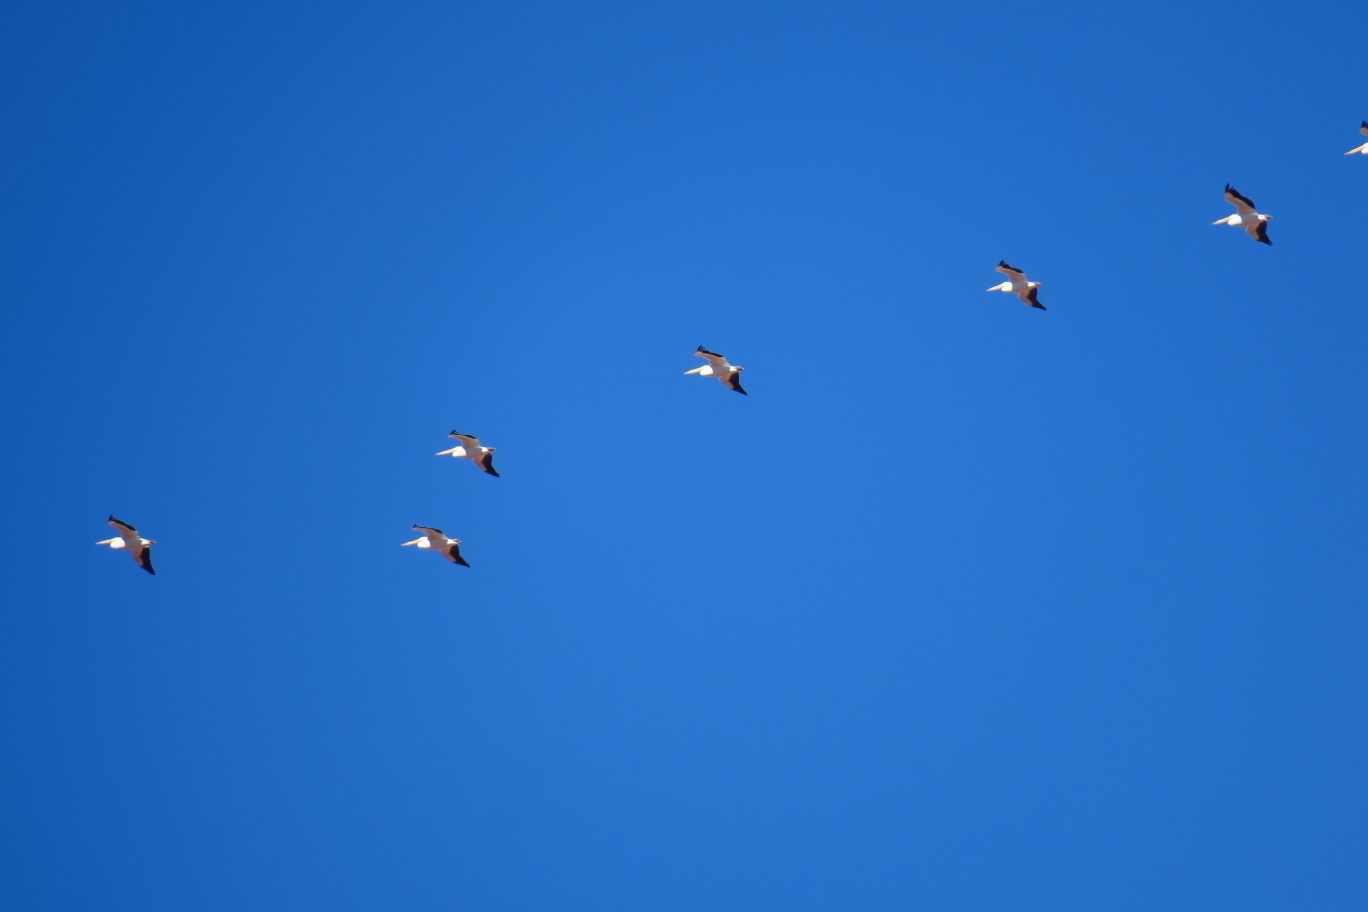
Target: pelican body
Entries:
(1246, 216)
(1363, 149)
(129, 540)
(435, 540)
(1017, 285)
(470, 448)
(717, 366)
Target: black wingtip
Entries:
(1038, 306)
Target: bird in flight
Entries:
(1246, 216)
(717, 366)
(470, 448)
(1363, 149)
(129, 540)
(1018, 285)
(435, 540)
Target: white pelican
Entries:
(434, 540)
(1363, 149)
(1018, 286)
(470, 448)
(1252, 221)
(717, 366)
(129, 540)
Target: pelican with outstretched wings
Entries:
(1246, 216)
(1018, 285)
(470, 448)
(1363, 149)
(717, 366)
(129, 540)
(436, 540)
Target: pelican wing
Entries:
(733, 382)
(1029, 297)
(718, 362)
(453, 553)
(1259, 232)
(143, 555)
(467, 441)
(1016, 275)
(1243, 204)
(436, 536)
(486, 463)
(126, 532)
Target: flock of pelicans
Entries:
(140, 549)
(1247, 216)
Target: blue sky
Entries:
(966, 606)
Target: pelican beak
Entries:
(695, 370)
(1221, 221)
(448, 452)
(107, 541)
(414, 542)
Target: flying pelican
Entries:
(129, 539)
(434, 540)
(1363, 149)
(1018, 286)
(470, 448)
(1254, 222)
(717, 366)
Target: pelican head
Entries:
(445, 453)
(696, 369)
(1005, 286)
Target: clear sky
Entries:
(966, 606)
